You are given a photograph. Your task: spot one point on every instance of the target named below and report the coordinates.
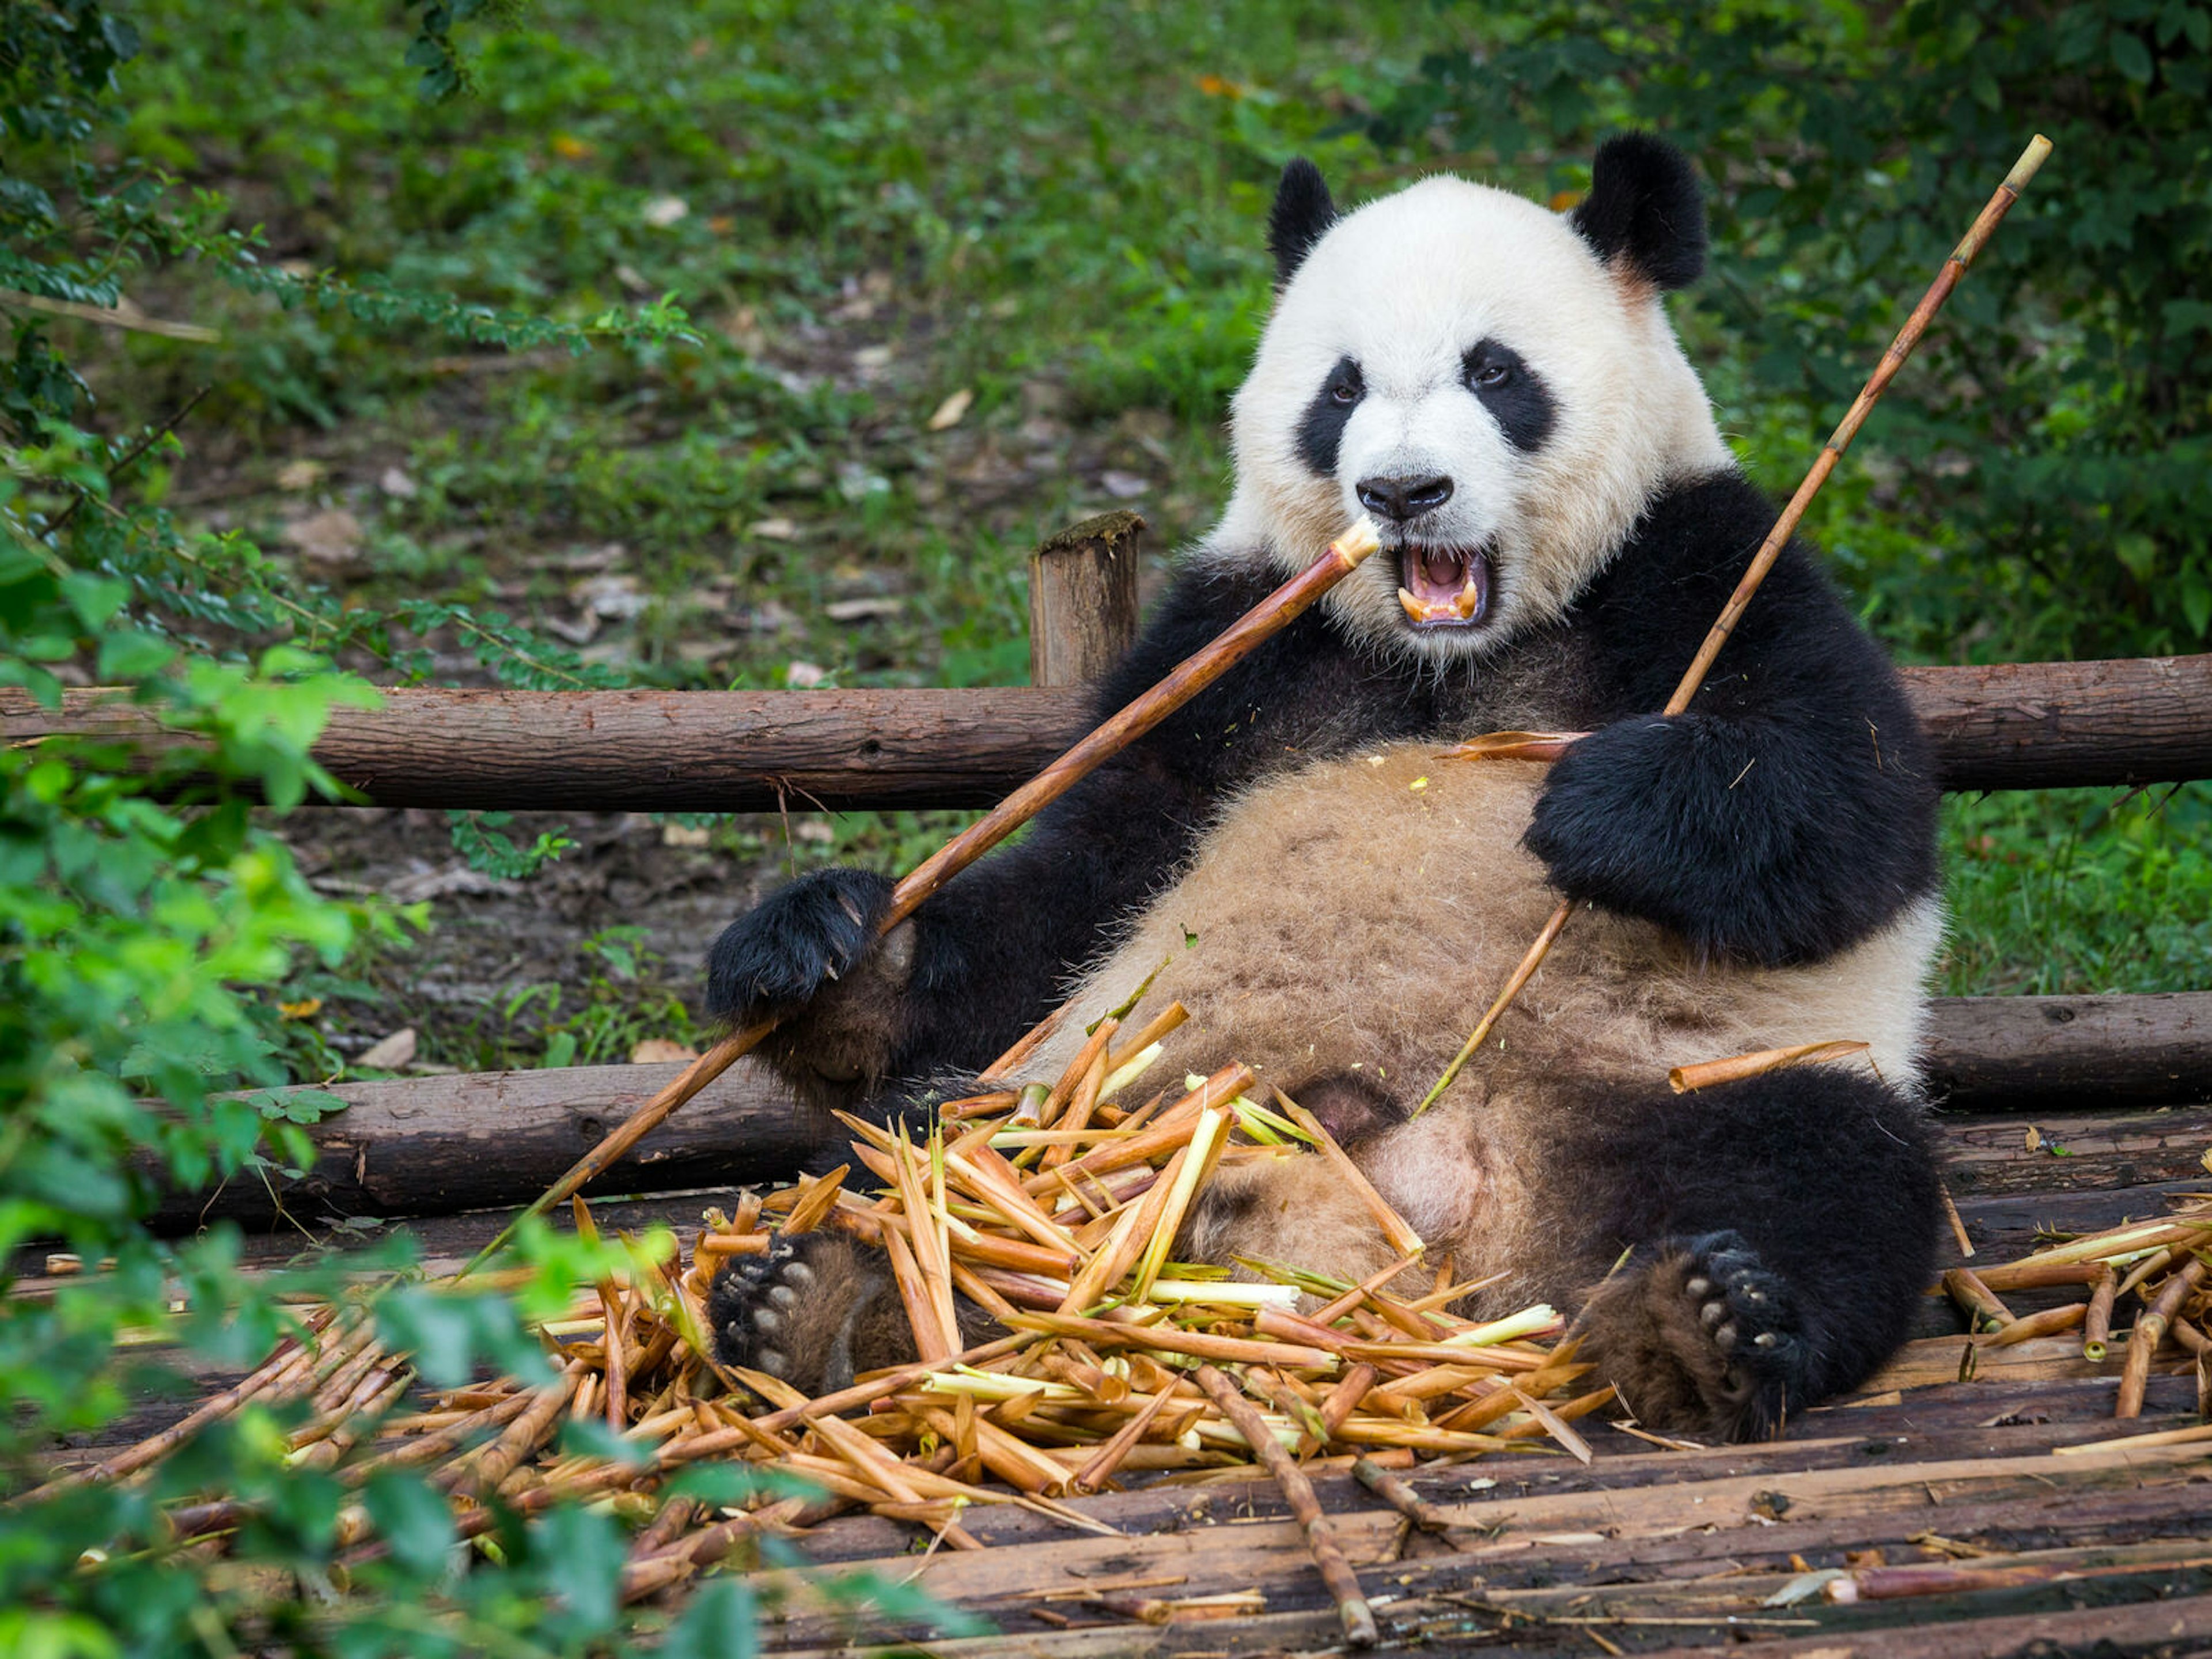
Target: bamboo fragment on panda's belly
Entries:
(1353, 917)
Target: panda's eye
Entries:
(1344, 391)
(1490, 374)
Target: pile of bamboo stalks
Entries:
(1056, 1210)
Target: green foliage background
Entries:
(1057, 197)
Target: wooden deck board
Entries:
(1674, 1551)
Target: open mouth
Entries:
(1443, 586)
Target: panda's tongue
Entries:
(1444, 587)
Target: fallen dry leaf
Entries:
(391, 1053)
(656, 1051)
(950, 412)
(853, 611)
(332, 537)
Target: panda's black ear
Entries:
(1644, 210)
(1302, 215)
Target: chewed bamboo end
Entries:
(1357, 543)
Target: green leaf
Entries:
(2197, 603)
(2131, 57)
(132, 656)
(413, 1517)
(95, 598)
(722, 1622)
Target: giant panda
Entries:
(1499, 387)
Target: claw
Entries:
(1767, 1339)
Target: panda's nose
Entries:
(1402, 498)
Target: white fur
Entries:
(1405, 286)
(1342, 920)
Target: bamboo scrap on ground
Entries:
(2161, 1265)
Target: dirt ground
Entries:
(505, 963)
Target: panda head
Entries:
(1497, 384)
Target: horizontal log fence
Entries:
(437, 1146)
(2015, 726)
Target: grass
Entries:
(864, 209)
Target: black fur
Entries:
(1321, 428)
(1789, 813)
(1645, 210)
(1514, 393)
(779, 954)
(1300, 216)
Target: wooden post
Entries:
(1083, 599)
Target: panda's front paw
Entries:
(812, 1312)
(781, 954)
(1651, 816)
(810, 957)
(1707, 1339)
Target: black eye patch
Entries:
(1321, 428)
(1514, 393)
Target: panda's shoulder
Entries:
(1655, 602)
(1692, 543)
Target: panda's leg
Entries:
(822, 1306)
(817, 1309)
(1294, 1209)
(1777, 1235)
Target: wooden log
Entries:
(2037, 1052)
(2015, 726)
(2047, 724)
(437, 1145)
(1083, 599)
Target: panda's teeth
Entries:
(1469, 600)
(1414, 608)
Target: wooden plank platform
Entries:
(1643, 1550)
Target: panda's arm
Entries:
(1790, 813)
(990, 955)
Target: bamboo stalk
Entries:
(1737, 1068)
(2097, 1317)
(2150, 1330)
(2048, 1322)
(1515, 745)
(1976, 1300)
(1353, 1614)
(278, 1373)
(1400, 1496)
(1908, 336)
(521, 1437)
(1403, 1239)
(2034, 1275)
(1180, 684)
(2157, 1262)
(1094, 1473)
(1169, 1339)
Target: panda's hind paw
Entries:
(812, 1312)
(1707, 1339)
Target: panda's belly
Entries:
(1354, 919)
